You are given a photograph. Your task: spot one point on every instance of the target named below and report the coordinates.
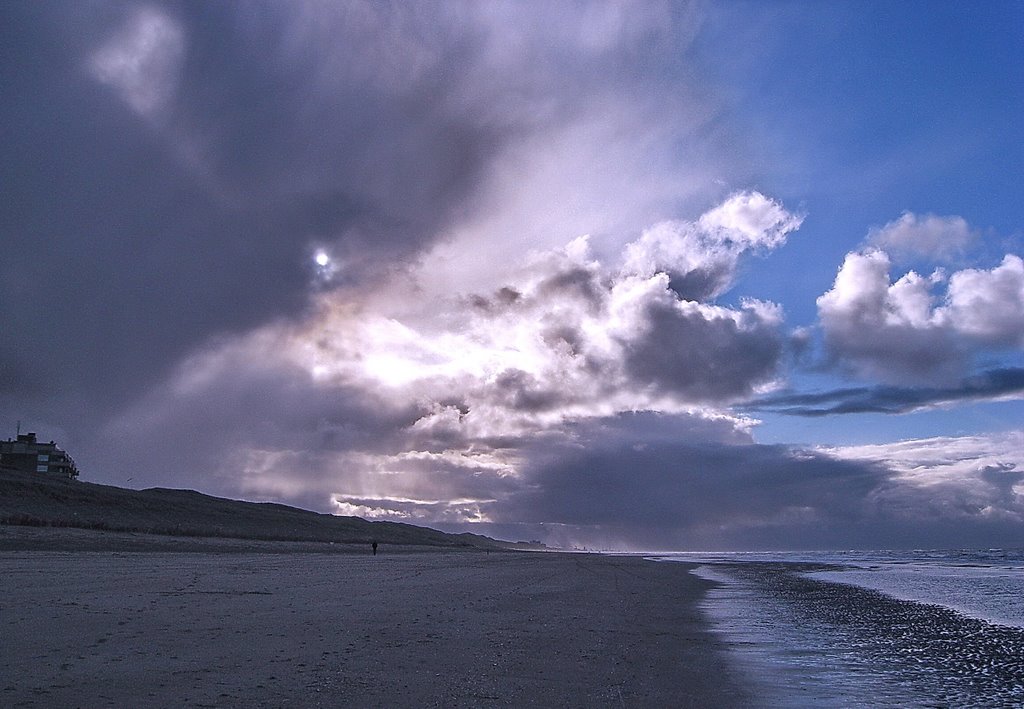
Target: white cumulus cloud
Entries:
(920, 328)
(700, 257)
(988, 305)
(926, 235)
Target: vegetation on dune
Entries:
(43, 501)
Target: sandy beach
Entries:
(252, 628)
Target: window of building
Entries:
(42, 468)
(43, 457)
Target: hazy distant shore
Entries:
(449, 628)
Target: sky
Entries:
(630, 275)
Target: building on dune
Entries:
(26, 454)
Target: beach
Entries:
(209, 624)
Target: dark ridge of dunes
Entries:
(36, 500)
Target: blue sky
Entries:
(710, 275)
(862, 111)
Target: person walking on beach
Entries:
(374, 545)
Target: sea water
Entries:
(883, 628)
(987, 585)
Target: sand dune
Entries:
(43, 501)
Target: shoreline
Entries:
(842, 644)
(439, 628)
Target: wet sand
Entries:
(814, 642)
(252, 628)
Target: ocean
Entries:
(869, 629)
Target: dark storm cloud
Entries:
(580, 284)
(154, 201)
(1003, 478)
(520, 390)
(296, 104)
(217, 424)
(988, 385)
(699, 283)
(702, 357)
(666, 482)
(687, 495)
